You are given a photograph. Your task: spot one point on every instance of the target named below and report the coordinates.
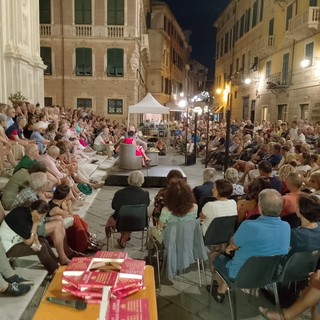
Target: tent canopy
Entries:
(148, 105)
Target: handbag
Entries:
(85, 188)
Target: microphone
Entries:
(76, 304)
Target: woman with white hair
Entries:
(132, 194)
(38, 185)
(232, 175)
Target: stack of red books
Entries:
(85, 279)
(123, 309)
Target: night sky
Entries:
(199, 16)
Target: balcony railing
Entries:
(304, 23)
(279, 80)
(265, 46)
(116, 31)
(45, 30)
(83, 30)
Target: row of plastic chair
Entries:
(259, 272)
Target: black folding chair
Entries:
(297, 266)
(256, 273)
(220, 230)
(131, 218)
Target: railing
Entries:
(309, 18)
(116, 31)
(45, 29)
(279, 79)
(83, 30)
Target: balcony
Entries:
(83, 30)
(304, 24)
(45, 30)
(265, 46)
(278, 82)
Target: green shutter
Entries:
(45, 53)
(309, 52)
(45, 11)
(115, 12)
(82, 12)
(84, 61)
(115, 62)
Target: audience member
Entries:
(266, 236)
(205, 190)
(133, 194)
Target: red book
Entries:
(96, 279)
(70, 279)
(78, 266)
(124, 283)
(94, 293)
(132, 269)
(125, 309)
(109, 256)
(126, 292)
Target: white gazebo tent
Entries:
(148, 105)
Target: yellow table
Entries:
(50, 311)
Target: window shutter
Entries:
(45, 11)
(83, 12)
(115, 12)
(45, 53)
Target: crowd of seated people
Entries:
(275, 176)
(42, 150)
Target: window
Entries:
(115, 62)
(289, 15)
(115, 106)
(82, 12)
(248, 14)
(261, 10)
(255, 14)
(242, 26)
(45, 54)
(45, 11)
(268, 70)
(313, 3)
(271, 26)
(226, 42)
(116, 12)
(84, 103)
(48, 101)
(285, 70)
(83, 61)
(309, 53)
(243, 61)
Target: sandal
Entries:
(122, 245)
(271, 315)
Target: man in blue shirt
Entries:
(266, 236)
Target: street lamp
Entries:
(305, 63)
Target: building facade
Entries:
(169, 50)
(96, 53)
(21, 68)
(268, 60)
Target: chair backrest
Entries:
(297, 266)
(132, 217)
(292, 219)
(184, 244)
(257, 272)
(220, 230)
